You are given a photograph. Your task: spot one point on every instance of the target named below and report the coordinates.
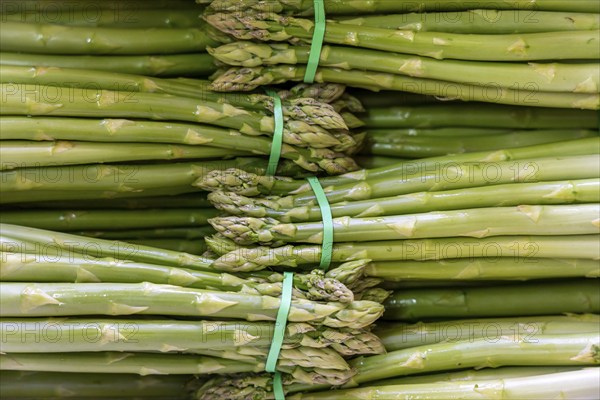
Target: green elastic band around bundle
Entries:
(279, 334)
(277, 140)
(327, 245)
(317, 42)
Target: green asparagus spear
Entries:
(417, 147)
(137, 18)
(153, 65)
(478, 115)
(197, 247)
(483, 269)
(481, 21)
(73, 220)
(575, 296)
(396, 336)
(151, 234)
(568, 385)
(41, 385)
(57, 39)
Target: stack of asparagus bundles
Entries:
(542, 54)
(152, 37)
(75, 304)
(450, 238)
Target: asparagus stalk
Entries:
(578, 78)
(20, 239)
(269, 26)
(197, 247)
(513, 194)
(576, 296)
(164, 335)
(153, 65)
(27, 154)
(475, 374)
(475, 222)
(568, 385)
(417, 147)
(70, 299)
(41, 5)
(335, 7)
(418, 177)
(73, 220)
(575, 349)
(244, 79)
(157, 364)
(137, 18)
(151, 234)
(82, 268)
(35, 197)
(195, 200)
(123, 363)
(397, 135)
(479, 115)
(372, 161)
(39, 385)
(56, 39)
(479, 269)
(481, 21)
(398, 336)
(257, 258)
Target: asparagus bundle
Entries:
(482, 60)
(389, 220)
(315, 135)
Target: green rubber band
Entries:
(277, 133)
(317, 42)
(278, 387)
(327, 244)
(279, 334)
